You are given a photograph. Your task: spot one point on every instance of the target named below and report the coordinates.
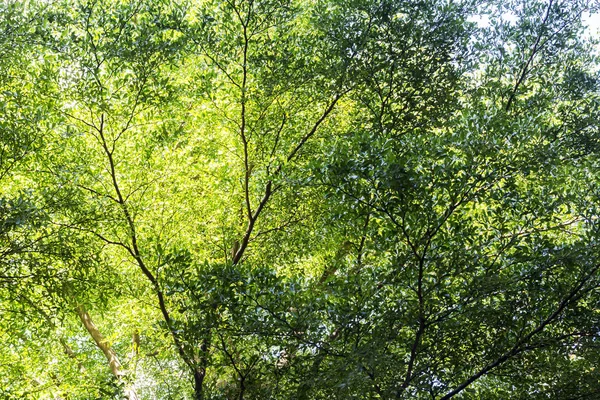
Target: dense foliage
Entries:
(311, 199)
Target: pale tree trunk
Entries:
(113, 361)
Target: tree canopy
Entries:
(300, 199)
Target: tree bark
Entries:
(111, 356)
(199, 375)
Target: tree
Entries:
(271, 199)
(490, 254)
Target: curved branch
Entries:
(521, 345)
(534, 51)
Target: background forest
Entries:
(299, 199)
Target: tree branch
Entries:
(534, 52)
(519, 345)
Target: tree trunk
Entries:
(111, 356)
(199, 375)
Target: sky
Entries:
(593, 22)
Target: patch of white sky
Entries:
(590, 21)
